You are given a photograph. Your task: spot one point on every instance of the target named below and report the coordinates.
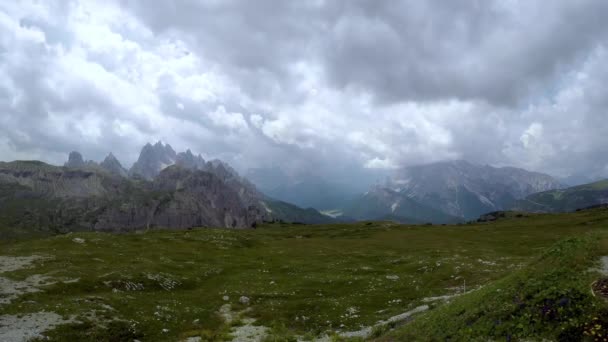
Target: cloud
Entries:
(327, 87)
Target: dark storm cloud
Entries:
(487, 50)
(396, 50)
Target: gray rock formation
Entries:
(165, 190)
(182, 198)
(56, 182)
(75, 160)
(153, 159)
(41, 197)
(95, 200)
(190, 161)
(113, 166)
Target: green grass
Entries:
(310, 280)
(550, 299)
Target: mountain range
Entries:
(168, 189)
(449, 191)
(442, 192)
(162, 189)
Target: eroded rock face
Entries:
(47, 180)
(183, 198)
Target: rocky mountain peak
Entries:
(190, 161)
(113, 166)
(152, 159)
(75, 160)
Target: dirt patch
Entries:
(11, 289)
(248, 332)
(23, 327)
(11, 264)
(600, 288)
(27, 327)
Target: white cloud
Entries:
(341, 85)
(232, 121)
(532, 133)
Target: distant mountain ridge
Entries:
(382, 203)
(456, 189)
(467, 190)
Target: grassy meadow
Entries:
(306, 282)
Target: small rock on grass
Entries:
(244, 300)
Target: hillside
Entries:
(550, 299)
(288, 212)
(564, 200)
(291, 282)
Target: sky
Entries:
(327, 86)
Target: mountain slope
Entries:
(467, 190)
(553, 298)
(291, 213)
(562, 200)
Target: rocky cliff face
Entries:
(181, 198)
(89, 200)
(57, 182)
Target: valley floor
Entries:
(505, 279)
